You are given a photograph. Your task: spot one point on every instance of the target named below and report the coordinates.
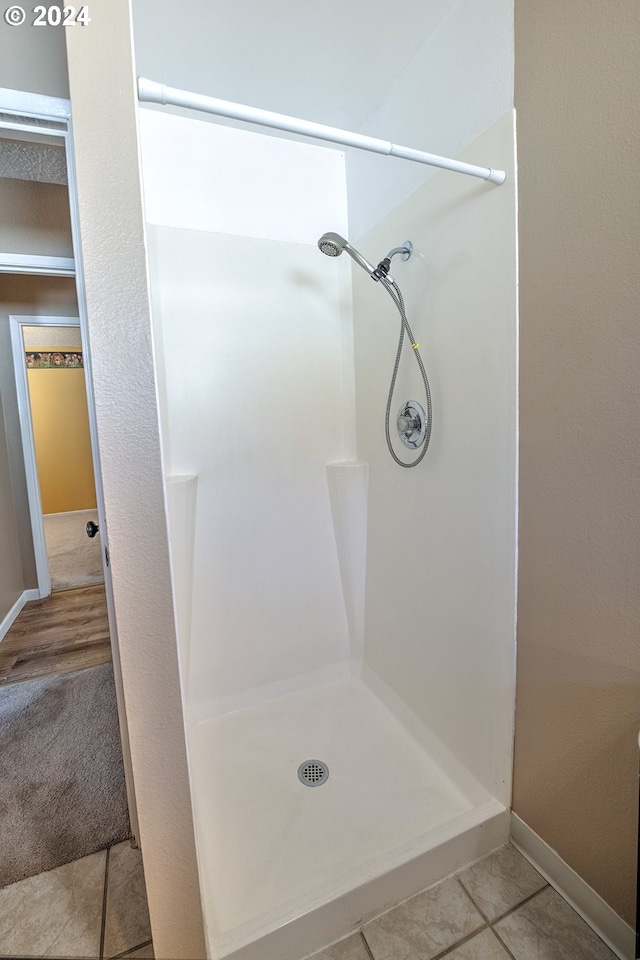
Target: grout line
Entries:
(479, 909)
(366, 945)
(503, 944)
(460, 943)
(511, 910)
(127, 953)
(501, 916)
(104, 904)
(487, 925)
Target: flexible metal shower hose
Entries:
(395, 293)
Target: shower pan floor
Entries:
(271, 846)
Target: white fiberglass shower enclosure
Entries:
(333, 606)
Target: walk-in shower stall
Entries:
(346, 624)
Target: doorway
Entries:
(56, 440)
(39, 238)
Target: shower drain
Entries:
(313, 773)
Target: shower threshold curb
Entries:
(384, 883)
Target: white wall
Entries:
(119, 326)
(252, 340)
(457, 85)
(34, 58)
(427, 75)
(11, 576)
(439, 627)
(253, 335)
(331, 62)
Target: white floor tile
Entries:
(127, 916)
(484, 946)
(425, 925)
(55, 914)
(352, 948)
(500, 881)
(547, 928)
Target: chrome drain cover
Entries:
(313, 773)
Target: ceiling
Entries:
(23, 160)
(332, 61)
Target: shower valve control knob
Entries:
(412, 424)
(92, 528)
(407, 424)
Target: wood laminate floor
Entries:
(66, 631)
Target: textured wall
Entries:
(53, 337)
(26, 296)
(34, 58)
(112, 236)
(34, 218)
(578, 700)
(21, 160)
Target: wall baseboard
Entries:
(611, 928)
(11, 614)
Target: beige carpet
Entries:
(74, 559)
(62, 788)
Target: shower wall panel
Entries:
(253, 342)
(439, 627)
(456, 86)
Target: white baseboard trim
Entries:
(611, 928)
(11, 615)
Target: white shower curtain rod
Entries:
(153, 92)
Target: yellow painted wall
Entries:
(62, 440)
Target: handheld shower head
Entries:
(332, 245)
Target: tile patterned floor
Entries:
(93, 908)
(499, 908)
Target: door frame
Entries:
(16, 324)
(56, 112)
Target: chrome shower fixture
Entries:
(413, 421)
(332, 245)
(404, 252)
